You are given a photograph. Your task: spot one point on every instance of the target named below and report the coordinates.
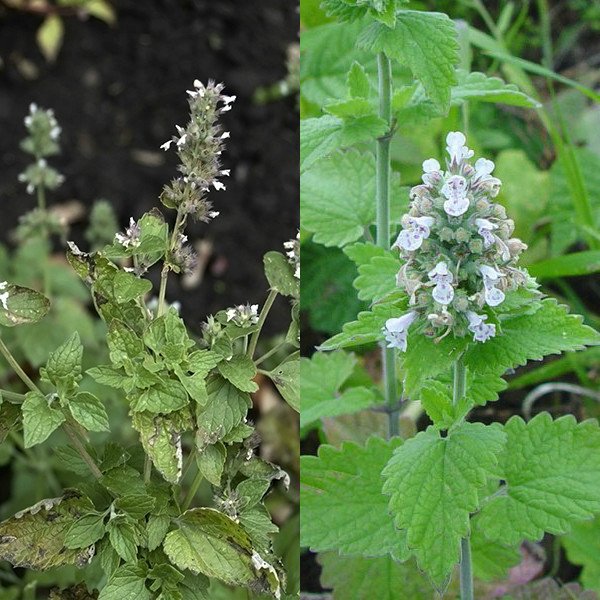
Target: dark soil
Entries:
(118, 93)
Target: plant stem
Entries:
(261, 321)
(41, 197)
(388, 358)
(82, 451)
(192, 491)
(12, 396)
(164, 274)
(466, 574)
(12, 361)
(147, 469)
(269, 353)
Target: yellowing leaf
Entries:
(50, 37)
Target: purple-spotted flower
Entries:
(131, 237)
(482, 331)
(412, 237)
(443, 292)
(484, 229)
(456, 147)
(432, 173)
(491, 277)
(396, 330)
(455, 190)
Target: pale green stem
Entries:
(388, 357)
(12, 396)
(147, 469)
(261, 321)
(192, 491)
(466, 573)
(82, 451)
(269, 353)
(164, 274)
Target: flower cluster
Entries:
(42, 141)
(292, 249)
(243, 315)
(460, 258)
(199, 146)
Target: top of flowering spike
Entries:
(460, 258)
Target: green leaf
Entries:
(377, 270)
(162, 398)
(358, 82)
(107, 375)
(351, 10)
(20, 305)
(126, 287)
(321, 136)
(9, 418)
(343, 508)
(195, 385)
(552, 474)
(380, 578)
(123, 480)
(63, 369)
(226, 408)
(211, 461)
(167, 336)
(280, 274)
(88, 411)
(209, 542)
(50, 37)
(570, 265)
(491, 560)
(423, 41)
(157, 528)
(478, 87)
(123, 344)
(39, 419)
(102, 10)
(85, 531)
(161, 440)
(128, 582)
(286, 379)
(137, 506)
(582, 545)
(123, 539)
(240, 371)
(35, 538)
(435, 480)
(321, 378)
(78, 592)
(202, 361)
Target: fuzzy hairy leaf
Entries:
(352, 10)
(128, 582)
(321, 136)
(162, 398)
(343, 508)
(35, 538)
(552, 474)
(226, 408)
(280, 274)
(39, 419)
(89, 412)
(286, 379)
(209, 542)
(168, 337)
(434, 483)
(63, 369)
(423, 41)
(321, 378)
(381, 578)
(21, 306)
(240, 371)
(377, 270)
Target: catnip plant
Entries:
(129, 522)
(452, 312)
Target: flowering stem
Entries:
(261, 321)
(41, 197)
(383, 221)
(466, 574)
(164, 274)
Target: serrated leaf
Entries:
(85, 531)
(21, 306)
(128, 582)
(377, 270)
(209, 542)
(137, 506)
(195, 385)
(202, 361)
(321, 136)
(157, 528)
(280, 274)
(423, 41)
(321, 379)
(286, 378)
(161, 440)
(435, 480)
(226, 408)
(126, 287)
(107, 375)
(358, 82)
(211, 461)
(63, 369)
(39, 419)
(343, 508)
(168, 337)
(240, 371)
(582, 545)
(123, 480)
(89, 412)
(381, 578)
(479, 87)
(123, 539)
(348, 109)
(123, 343)
(9, 417)
(35, 538)
(352, 10)
(552, 474)
(162, 398)
(50, 37)
(491, 560)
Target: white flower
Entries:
(483, 169)
(484, 229)
(412, 237)
(396, 330)
(218, 185)
(181, 141)
(228, 99)
(455, 190)
(456, 148)
(443, 292)
(131, 237)
(493, 295)
(243, 315)
(431, 172)
(481, 331)
(4, 295)
(431, 165)
(225, 135)
(166, 145)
